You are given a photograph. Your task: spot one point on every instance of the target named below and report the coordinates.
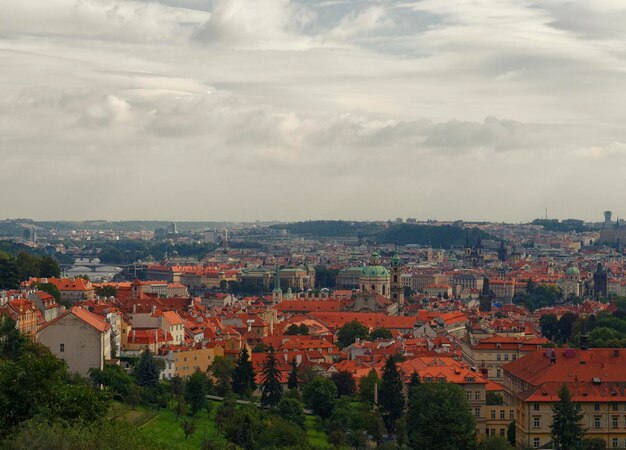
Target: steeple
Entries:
(277, 293)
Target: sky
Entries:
(300, 109)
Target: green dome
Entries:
(395, 261)
(375, 271)
(572, 271)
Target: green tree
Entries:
(348, 333)
(196, 390)
(510, 433)
(189, 427)
(320, 395)
(439, 417)
(106, 291)
(292, 381)
(344, 381)
(367, 386)
(271, 390)
(292, 411)
(54, 291)
(222, 369)
(49, 268)
(592, 444)
(9, 277)
(12, 342)
(380, 333)
(566, 430)
(28, 266)
(279, 433)
(390, 395)
(113, 377)
(147, 370)
(243, 383)
(415, 381)
(493, 398)
(494, 443)
(549, 326)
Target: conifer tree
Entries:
(567, 432)
(390, 396)
(292, 382)
(147, 370)
(243, 376)
(414, 382)
(271, 390)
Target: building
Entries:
(183, 361)
(82, 339)
(596, 379)
(375, 278)
(600, 282)
(418, 281)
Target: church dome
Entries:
(573, 271)
(375, 271)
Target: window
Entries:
(536, 442)
(506, 356)
(511, 414)
(596, 407)
(536, 422)
(498, 357)
(514, 357)
(615, 406)
(477, 395)
(615, 421)
(596, 421)
(501, 414)
(493, 413)
(469, 395)
(61, 348)
(477, 412)
(535, 406)
(498, 373)
(502, 432)
(615, 443)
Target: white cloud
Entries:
(368, 109)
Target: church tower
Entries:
(396, 288)
(277, 293)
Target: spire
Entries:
(277, 279)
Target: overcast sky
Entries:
(302, 109)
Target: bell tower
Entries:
(396, 287)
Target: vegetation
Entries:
(444, 236)
(391, 396)
(564, 226)
(243, 383)
(320, 395)
(566, 429)
(538, 296)
(271, 390)
(350, 332)
(331, 228)
(439, 417)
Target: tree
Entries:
(592, 444)
(113, 377)
(320, 395)
(222, 370)
(367, 386)
(243, 382)
(292, 411)
(349, 333)
(292, 382)
(279, 433)
(494, 443)
(271, 390)
(439, 417)
(566, 429)
(12, 342)
(380, 333)
(54, 291)
(9, 278)
(493, 398)
(49, 268)
(189, 427)
(106, 291)
(28, 266)
(414, 382)
(344, 381)
(390, 395)
(196, 390)
(566, 326)
(549, 326)
(147, 370)
(510, 433)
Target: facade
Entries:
(596, 379)
(418, 281)
(349, 278)
(185, 361)
(82, 339)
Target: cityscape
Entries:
(312, 225)
(336, 326)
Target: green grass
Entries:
(317, 439)
(168, 432)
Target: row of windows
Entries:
(503, 414)
(506, 357)
(615, 443)
(477, 395)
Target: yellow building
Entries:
(185, 361)
(596, 379)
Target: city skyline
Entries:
(296, 110)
